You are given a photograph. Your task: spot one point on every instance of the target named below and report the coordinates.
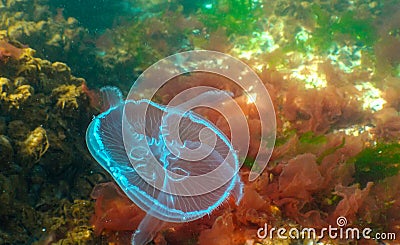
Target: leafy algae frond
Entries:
(329, 29)
(377, 163)
(237, 16)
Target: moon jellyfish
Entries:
(172, 163)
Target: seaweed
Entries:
(9, 50)
(330, 151)
(284, 137)
(328, 29)
(248, 162)
(310, 138)
(360, 30)
(237, 16)
(377, 163)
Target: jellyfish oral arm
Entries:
(150, 225)
(147, 229)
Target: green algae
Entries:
(361, 30)
(237, 16)
(284, 137)
(330, 29)
(331, 150)
(311, 138)
(377, 163)
(248, 162)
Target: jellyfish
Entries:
(172, 163)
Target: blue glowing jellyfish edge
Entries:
(105, 141)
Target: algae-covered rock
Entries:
(66, 96)
(5, 84)
(69, 224)
(21, 94)
(35, 145)
(7, 195)
(14, 95)
(45, 166)
(6, 152)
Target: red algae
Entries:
(318, 110)
(116, 217)
(387, 124)
(221, 232)
(94, 97)
(8, 50)
(353, 199)
(382, 205)
(114, 211)
(300, 177)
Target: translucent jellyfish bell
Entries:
(153, 167)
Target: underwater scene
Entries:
(211, 122)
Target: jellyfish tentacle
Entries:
(237, 191)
